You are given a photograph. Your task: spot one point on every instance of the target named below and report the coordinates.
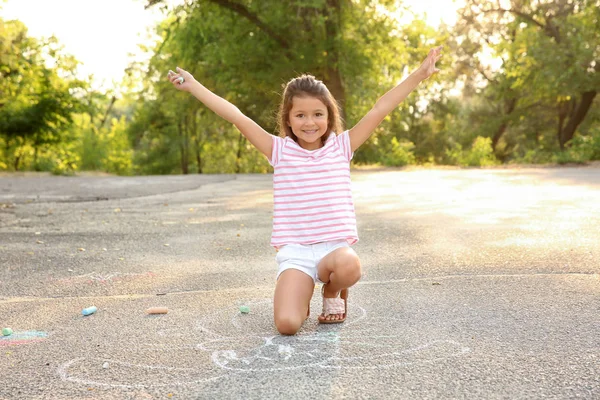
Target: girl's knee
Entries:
(288, 325)
(350, 264)
(355, 271)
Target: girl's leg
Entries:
(339, 269)
(293, 292)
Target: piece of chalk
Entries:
(157, 310)
(244, 309)
(180, 80)
(89, 310)
(7, 332)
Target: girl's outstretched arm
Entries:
(260, 138)
(361, 132)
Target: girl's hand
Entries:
(428, 67)
(182, 80)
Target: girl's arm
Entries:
(361, 132)
(260, 138)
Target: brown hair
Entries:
(308, 86)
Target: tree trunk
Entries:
(238, 157)
(36, 167)
(107, 112)
(183, 147)
(509, 107)
(563, 111)
(197, 142)
(332, 77)
(199, 155)
(576, 116)
(333, 81)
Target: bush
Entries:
(119, 155)
(534, 156)
(65, 162)
(581, 149)
(106, 150)
(481, 154)
(398, 153)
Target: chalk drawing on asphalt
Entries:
(96, 277)
(20, 338)
(227, 342)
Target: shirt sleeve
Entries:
(344, 141)
(276, 150)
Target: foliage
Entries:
(481, 154)
(107, 150)
(533, 156)
(545, 81)
(36, 101)
(354, 47)
(536, 103)
(400, 153)
(581, 150)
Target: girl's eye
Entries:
(319, 114)
(300, 115)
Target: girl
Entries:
(313, 219)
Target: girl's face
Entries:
(308, 121)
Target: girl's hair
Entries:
(308, 86)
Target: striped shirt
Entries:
(312, 193)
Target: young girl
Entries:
(313, 220)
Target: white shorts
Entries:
(306, 257)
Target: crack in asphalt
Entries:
(269, 287)
(74, 199)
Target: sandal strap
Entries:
(333, 306)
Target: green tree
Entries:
(546, 82)
(36, 101)
(246, 50)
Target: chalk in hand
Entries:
(157, 310)
(180, 80)
(89, 310)
(7, 332)
(244, 309)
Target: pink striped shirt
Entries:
(312, 192)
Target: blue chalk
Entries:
(89, 310)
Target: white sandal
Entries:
(334, 306)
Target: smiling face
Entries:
(308, 121)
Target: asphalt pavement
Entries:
(478, 284)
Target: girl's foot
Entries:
(334, 307)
